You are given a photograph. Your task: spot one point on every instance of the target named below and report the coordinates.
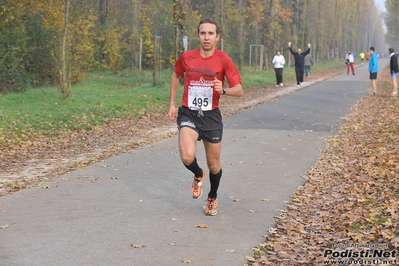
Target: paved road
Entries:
(93, 216)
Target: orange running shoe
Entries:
(196, 187)
(211, 207)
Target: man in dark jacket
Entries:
(299, 63)
(393, 65)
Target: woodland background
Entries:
(47, 42)
(59, 42)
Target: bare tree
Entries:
(65, 80)
(178, 26)
(136, 62)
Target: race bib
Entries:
(200, 98)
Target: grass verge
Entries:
(102, 97)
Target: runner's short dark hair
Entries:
(211, 21)
(372, 48)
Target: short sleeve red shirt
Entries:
(199, 73)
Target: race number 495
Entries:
(200, 102)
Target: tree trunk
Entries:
(241, 34)
(178, 26)
(102, 19)
(266, 38)
(65, 82)
(135, 40)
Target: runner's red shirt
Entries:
(199, 75)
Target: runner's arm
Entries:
(174, 84)
(236, 91)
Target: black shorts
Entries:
(209, 126)
(373, 75)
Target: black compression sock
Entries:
(215, 181)
(194, 167)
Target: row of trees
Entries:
(49, 41)
(392, 23)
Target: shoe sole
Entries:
(211, 214)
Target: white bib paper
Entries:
(200, 98)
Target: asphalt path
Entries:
(136, 208)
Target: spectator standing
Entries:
(350, 61)
(278, 62)
(393, 65)
(308, 64)
(299, 63)
(373, 68)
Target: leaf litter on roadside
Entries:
(352, 192)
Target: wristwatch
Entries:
(224, 90)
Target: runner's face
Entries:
(207, 36)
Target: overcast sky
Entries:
(380, 4)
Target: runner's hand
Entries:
(172, 112)
(218, 85)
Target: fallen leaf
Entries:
(250, 258)
(137, 246)
(201, 226)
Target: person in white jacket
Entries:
(278, 62)
(350, 61)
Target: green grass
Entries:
(253, 79)
(101, 97)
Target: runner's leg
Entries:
(187, 148)
(212, 151)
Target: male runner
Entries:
(199, 117)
